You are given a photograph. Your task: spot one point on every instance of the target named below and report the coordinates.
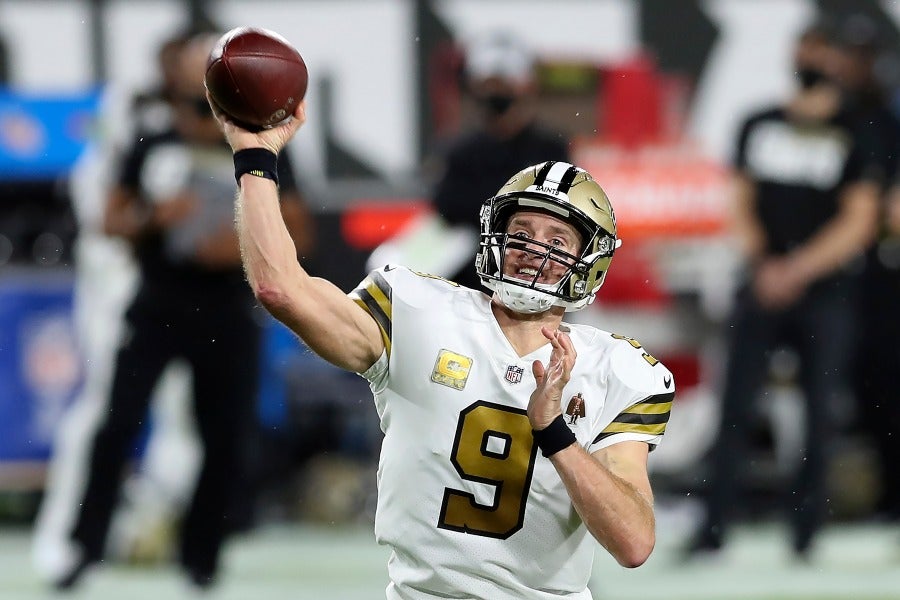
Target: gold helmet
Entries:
(566, 192)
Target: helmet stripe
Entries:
(566, 182)
(542, 173)
(556, 176)
(556, 173)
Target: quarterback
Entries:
(513, 442)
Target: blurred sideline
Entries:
(306, 562)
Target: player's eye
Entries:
(518, 240)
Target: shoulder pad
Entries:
(638, 370)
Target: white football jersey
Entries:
(469, 506)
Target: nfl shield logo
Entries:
(514, 373)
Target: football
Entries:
(256, 76)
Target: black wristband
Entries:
(554, 437)
(256, 161)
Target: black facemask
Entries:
(198, 104)
(810, 77)
(497, 105)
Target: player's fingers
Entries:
(289, 127)
(557, 376)
(300, 112)
(537, 369)
(217, 110)
(296, 123)
(562, 349)
(565, 341)
(560, 369)
(562, 355)
(553, 338)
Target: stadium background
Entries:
(650, 91)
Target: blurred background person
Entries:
(172, 203)
(861, 64)
(105, 281)
(501, 80)
(878, 356)
(152, 107)
(806, 203)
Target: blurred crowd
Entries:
(237, 408)
(811, 177)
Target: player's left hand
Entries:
(545, 402)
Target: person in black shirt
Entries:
(860, 45)
(807, 203)
(879, 354)
(174, 204)
(500, 77)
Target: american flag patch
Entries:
(514, 373)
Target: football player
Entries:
(470, 387)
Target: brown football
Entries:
(256, 76)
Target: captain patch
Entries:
(451, 369)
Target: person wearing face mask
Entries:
(860, 51)
(806, 193)
(500, 79)
(172, 202)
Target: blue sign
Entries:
(41, 136)
(40, 367)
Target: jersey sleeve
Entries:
(387, 292)
(377, 374)
(375, 296)
(640, 395)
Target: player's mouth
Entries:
(530, 274)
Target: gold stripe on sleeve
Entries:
(648, 417)
(374, 296)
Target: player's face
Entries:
(528, 261)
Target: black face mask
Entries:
(810, 77)
(198, 104)
(497, 105)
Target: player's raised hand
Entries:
(544, 405)
(273, 138)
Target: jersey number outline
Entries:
(637, 346)
(493, 445)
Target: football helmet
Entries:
(564, 191)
